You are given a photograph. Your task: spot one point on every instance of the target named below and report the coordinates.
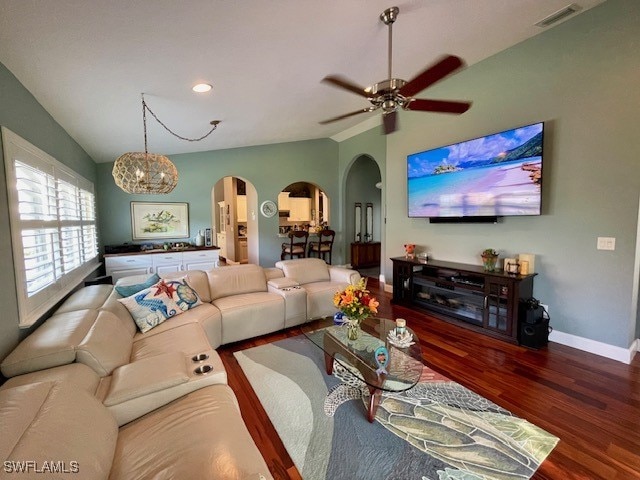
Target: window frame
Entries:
(31, 307)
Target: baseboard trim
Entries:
(624, 355)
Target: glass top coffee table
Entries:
(401, 372)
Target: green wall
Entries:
(269, 168)
(22, 114)
(581, 78)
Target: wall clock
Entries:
(268, 208)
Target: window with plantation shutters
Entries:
(53, 227)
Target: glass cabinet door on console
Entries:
(497, 302)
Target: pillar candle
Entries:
(530, 258)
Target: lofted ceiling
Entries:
(88, 61)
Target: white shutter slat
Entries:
(53, 226)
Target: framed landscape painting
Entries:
(151, 221)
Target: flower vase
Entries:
(353, 328)
(489, 262)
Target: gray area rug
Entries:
(438, 430)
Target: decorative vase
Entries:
(353, 328)
(200, 239)
(489, 262)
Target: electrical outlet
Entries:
(606, 243)
(545, 312)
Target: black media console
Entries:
(463, 294)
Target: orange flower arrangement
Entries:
(356, 302)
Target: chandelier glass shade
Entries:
(145, 173)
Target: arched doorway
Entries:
(364, 215)
(234, 201)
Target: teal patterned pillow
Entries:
(185, 296)
(152, 306)
(128, 290)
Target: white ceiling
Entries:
(88, 61)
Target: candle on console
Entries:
(530, 258)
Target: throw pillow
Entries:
(152, 306)
(128, 290)
(185, 296)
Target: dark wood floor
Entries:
(591, 403)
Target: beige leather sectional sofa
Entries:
(90, 394)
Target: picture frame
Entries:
(153, 220)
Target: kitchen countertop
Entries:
(161, 250)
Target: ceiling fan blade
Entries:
(444, 106)
(390, 122)
(346, 115)
(341, 82)
(434, 73)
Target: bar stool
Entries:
(293, 247)
(324, 245)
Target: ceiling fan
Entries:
(395, 93)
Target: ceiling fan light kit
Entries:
(150, 173)
(393, 94)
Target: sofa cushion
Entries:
(50, 345)
(120, 311)
(250, 315)
(151, 306)
(106, 346)
(54, 422)
(128, 290)
(305, 270)
(76, 374)
(320, 298)
(235, 280)
(87, 298)
(201, 435)
(207, 315)
(188, 339)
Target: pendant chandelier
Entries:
(149, 173)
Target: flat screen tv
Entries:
(487, 177)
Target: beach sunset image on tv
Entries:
(494, 175)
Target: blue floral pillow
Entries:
(185, 296)
(152, 306)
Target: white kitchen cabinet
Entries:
(200, 260)
(221, 239)
(126, 265)
(299, 209)
(243, 250)
(222, 216)
(283, 201)
(241, 208)
(119, 266)
(166, 262)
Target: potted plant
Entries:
(489, 259)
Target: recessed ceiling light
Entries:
(202, 88)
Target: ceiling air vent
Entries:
(559, 15)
